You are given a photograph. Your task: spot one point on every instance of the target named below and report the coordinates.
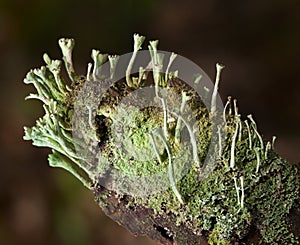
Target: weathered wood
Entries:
(142, 221)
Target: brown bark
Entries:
(142, 221)
(162, 229)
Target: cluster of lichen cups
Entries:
(249, 185)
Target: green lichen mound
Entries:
(250, 187)
(213, 207)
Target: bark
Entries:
(142, 221)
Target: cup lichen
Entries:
(251, 186)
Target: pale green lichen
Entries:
(138, 41)
(250, 186)
(99, 59)
(213, 108)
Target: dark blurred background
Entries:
(258, 41)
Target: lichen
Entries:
(250, 184)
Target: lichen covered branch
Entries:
(251, 190)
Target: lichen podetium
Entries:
(250, 188)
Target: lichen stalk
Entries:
(99, 59)
(237, 190)
(155, 148)
(273, 142)
(89, 72)
(192, 139)
(184, 100)
(113, 61)
(257, 153)
(220, 142)
(170, 168)
(155, 65)
(256, 132)
(233, 142)
(165, 111)
(171, 60)
(249, 134)
(243, 192)
(225, 108)
(138, 41)
(219, 68)
(67, 45)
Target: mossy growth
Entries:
(249, 186)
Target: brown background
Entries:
(258, 41)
